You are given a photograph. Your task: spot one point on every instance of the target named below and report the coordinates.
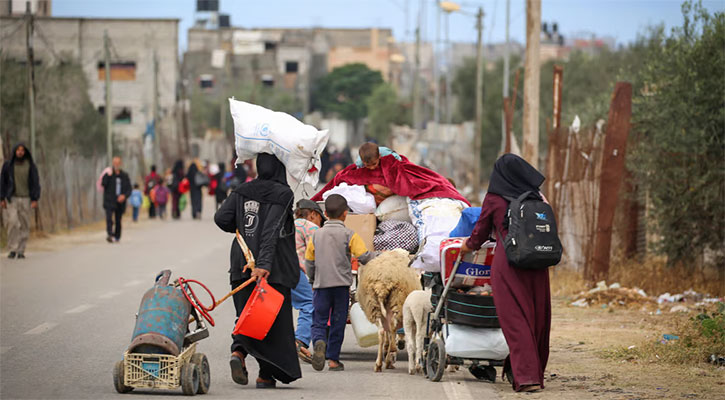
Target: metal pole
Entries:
(448, 54)
(109, 106)
(436, 72)
(479, 105)
(31, 73)
(506, 66)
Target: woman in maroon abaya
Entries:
(522, 296)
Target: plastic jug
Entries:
(366, 332)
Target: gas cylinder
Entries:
(162, 319)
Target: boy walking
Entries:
(330, 273)
(136, 200)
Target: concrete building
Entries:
(290, 59)
(134, 45)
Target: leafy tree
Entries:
(384, 109)
(344, 91)
(65, 116)
(679, 119)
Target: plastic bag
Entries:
(182, 202)
(395, 208)
(359, 200)
(298, 146)
(469, 342)
(433, 229)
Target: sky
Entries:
(621, 20)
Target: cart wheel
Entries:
(436, 360)
(483, 372)
(189, 379)
(118, 375)
(200, 360)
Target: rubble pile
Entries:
(615, 295)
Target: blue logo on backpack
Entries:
(541, 216)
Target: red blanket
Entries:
(402, 177)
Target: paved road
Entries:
(67, 314)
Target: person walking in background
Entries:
(116, 189)
(197, 179)
(523, 294)
(177, 175)
(151, 180)
(220, 191)
(19, 193)
(136, 199)
(308, 219)
(261, 211)
(161, 198)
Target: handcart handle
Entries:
(442, 299)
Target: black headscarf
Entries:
(512, 176)
(27, 155)
(178, 169)
(271, 184)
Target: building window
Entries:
(206, 81)
(291, 67)
(121, 115)
(270, 46)
(267, 80)
(120, 71)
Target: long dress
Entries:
(522, 298)
(261, 211)
(194, 191)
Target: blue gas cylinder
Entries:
(162, 320)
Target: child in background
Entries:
(136, 200)
(330, 273)
(161, 198)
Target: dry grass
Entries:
(655, 277)
(565, 282)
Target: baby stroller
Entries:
(463, 328)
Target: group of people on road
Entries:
(160, 191)
(261, 211)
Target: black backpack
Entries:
(532, 241)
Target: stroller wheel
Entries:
(484, 373)
(436, 360)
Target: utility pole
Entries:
(506, 66)
(478, 132)
(448, 54)
(157, 127)
(416, 79)
(531, 82)
(31, 72)
(109, 107)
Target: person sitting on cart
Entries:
(522, 296)
(261, 210)
(330, 272)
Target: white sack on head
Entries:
(298, 146)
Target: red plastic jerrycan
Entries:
(260, 311)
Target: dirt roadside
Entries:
(579, 368)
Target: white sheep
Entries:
(385, 283)
(415, 311)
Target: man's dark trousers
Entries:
(118, 213)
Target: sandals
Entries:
(239, 370)
(266, 383)
(340, 367)
(530, 388)
(302, 352)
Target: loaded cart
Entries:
(463, 329)
(162, 354)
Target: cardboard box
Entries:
(364, 225)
